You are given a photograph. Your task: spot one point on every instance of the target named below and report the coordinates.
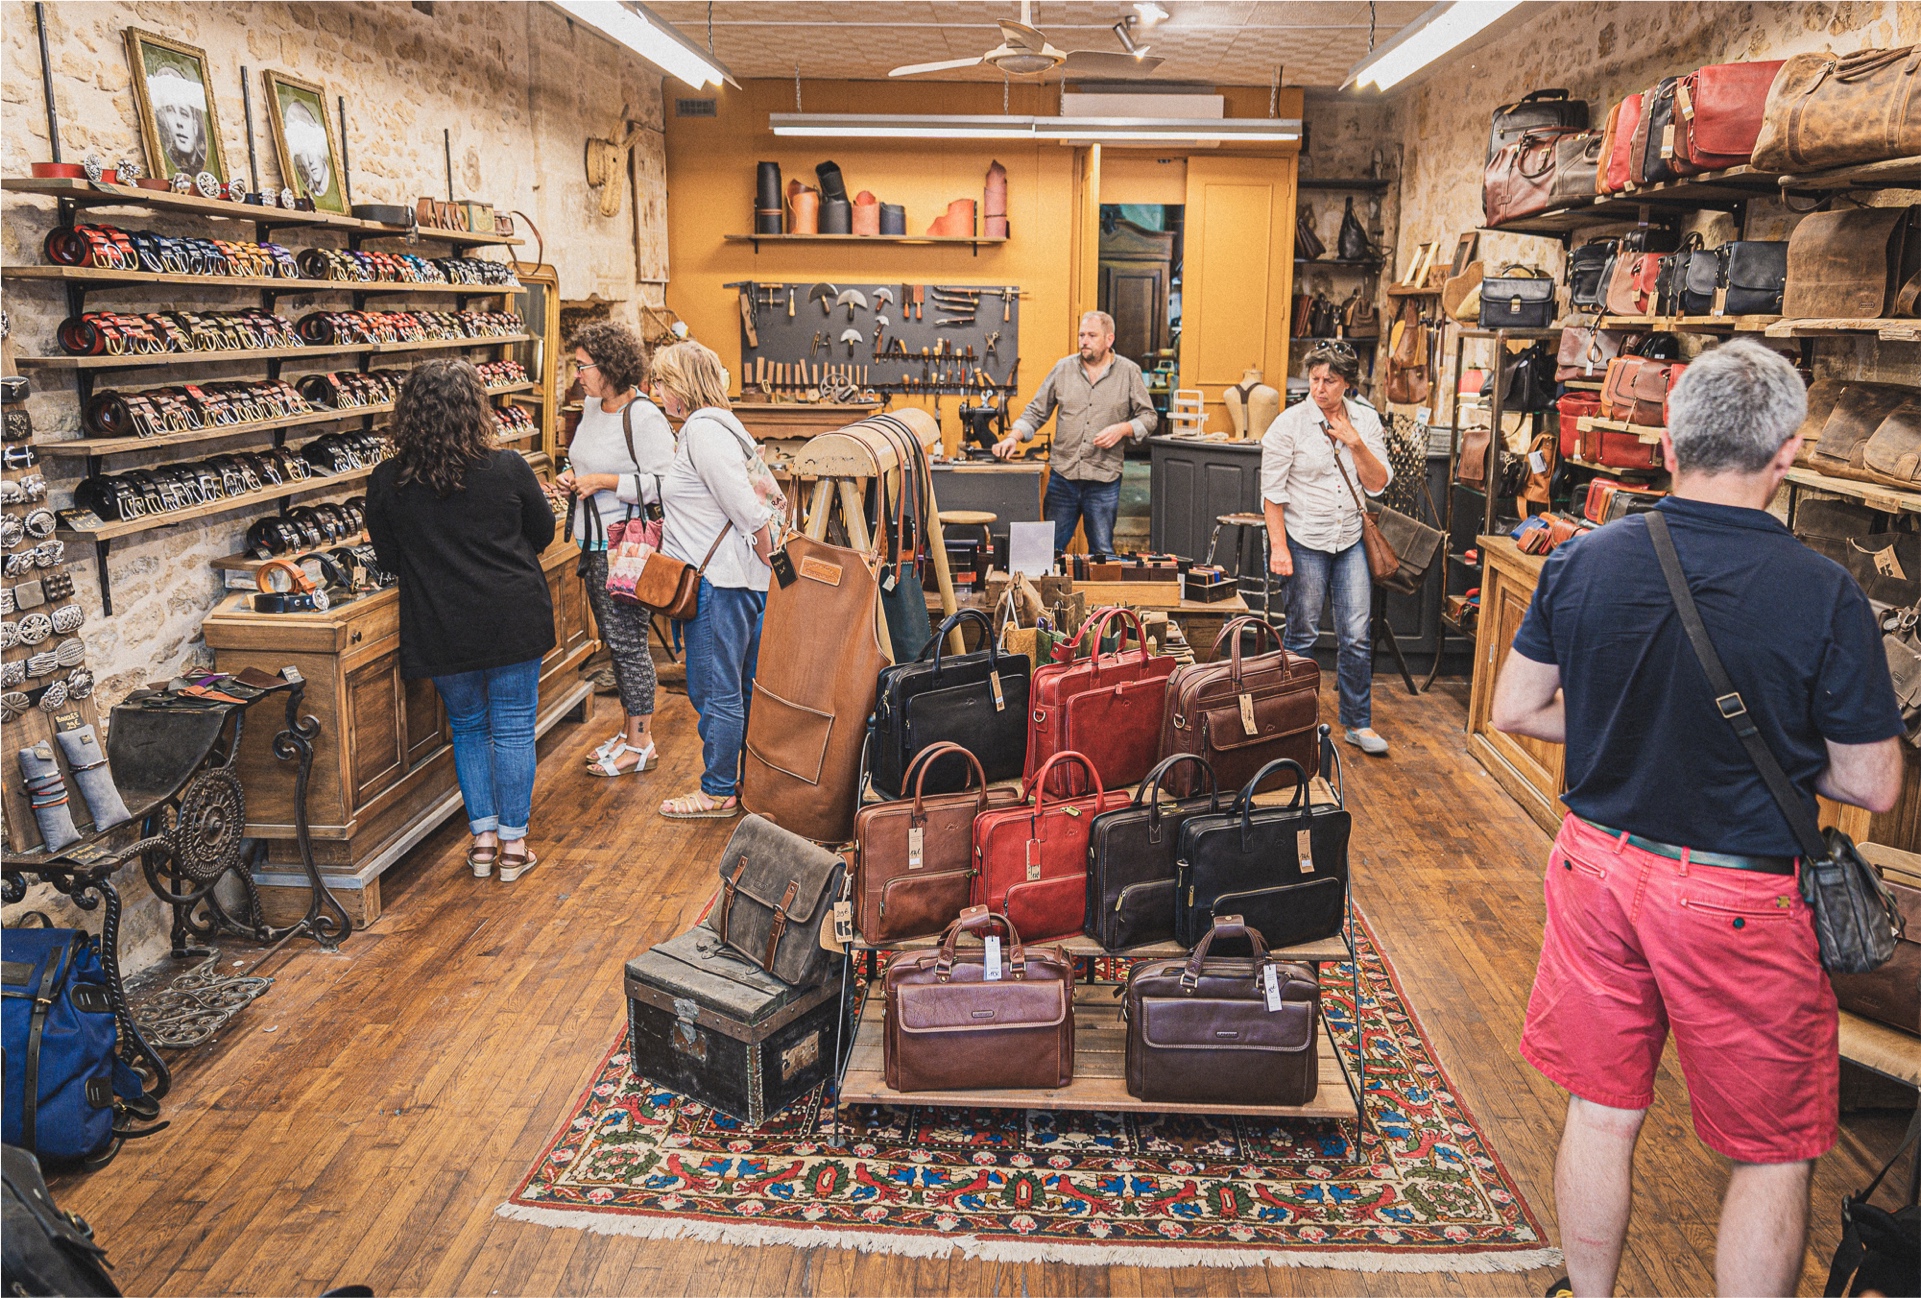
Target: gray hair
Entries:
(1107, 321)
(1734, 408)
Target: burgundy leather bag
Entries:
(1030, 860)
(1106, 706)
(1718, 111)
(1519, 178)
(952, 1027)
(1241, 712)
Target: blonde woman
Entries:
(717, 501)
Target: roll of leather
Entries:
(47, 794)
(994, 203)
(957, 221)
(89, 767)
(767, 220)
(866, 213)
(803, 209)
(836, 216)
(833, 189)
(767, 185)
(893, 218)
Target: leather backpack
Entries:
(1833, 110)
(775, 888)
(1030, 859)
(914, 857)
(1240, 712)
(1130, 859)
(1586, 266)
(1204, 1030)
(1105, 707)
(955, 1023)
(977, 699)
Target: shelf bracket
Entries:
(102, 547)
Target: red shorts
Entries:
(1636, 943)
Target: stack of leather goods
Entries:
(1870, 432)
(1607, 500)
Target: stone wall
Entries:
(517, 87)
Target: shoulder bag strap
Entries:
(1335, 446)
(627, 431)
(1727, 700)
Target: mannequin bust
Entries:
(1252, 405)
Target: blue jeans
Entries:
(491, 714)
(1317, 574)
(1069, 502)
(723, 648)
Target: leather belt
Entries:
(1721, 860)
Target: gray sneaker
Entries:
(1367, 741)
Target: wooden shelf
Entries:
(374, 230)
(1741, 324)
(1892, 173)
(1512, 335)
(244, 562)
(1583, 385)
(159, 359)
(1403, 290)
(1578, 462)
(1372, 263)
(92, 278)
(1367, 184)
(911, 240)
(1642, 432)
(1891, 500)
(154, 522)
(1887, 329)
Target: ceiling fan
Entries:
(1024, 51)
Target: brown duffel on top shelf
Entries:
(1833, 110)
(1860, 264)
(1861, 415)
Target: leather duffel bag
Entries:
(1537, 110)
(1751, 276)
(1856, 413)
(914, 857)
(1577, 157)
(1130, 860)
(775, 887)
(1833, 110)
(1282, 867)
(1210, 1031)
(977, 699)
(1106, 706)
(1518, 178)
(1523, 300)
(1240, 712)
(1854, 264)
(955, 1022)
(1030, 859)
(1718, 111)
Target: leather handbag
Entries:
(1854, 264)
(1655, 131)
(1717, 114)
(1577, 159)
(1670, 276)
(775, 887)
(1470, 468)
(1698, 290)
(1894, 450)
(1751, 276)
(1241, 711)
(976, 699)
(1615, 450)
(1585, 351)
(1586, 270)
(1635, 390)
(670, 586)
(1534, 111)
(914, 857)
(1527, 379)
(1407, 357)
(1415, 542)
(1518, 178)
(1215, 1031)
(1030, 859)
(1130, 859)
(1518, 298)
(1833, 110)
(1106, 706)
(1571, 408)
(1855, 416)
(1307, 243)
(1892, 993)
(1284, 868)
(1303, 322)
(1382, 562)
(1360, 318)
(955, 1022)
(1617, 166)
(1353, 245)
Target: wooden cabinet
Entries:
(383, 772)
(1531, 770)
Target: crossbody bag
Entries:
(1382, 562)
(1855, 917)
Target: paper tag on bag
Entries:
(1304, 848)
(915, 835)
(843, 921)
(992, 972)
(1247, 715)
(1270, 988)
(1888, 565)
(1537, 462)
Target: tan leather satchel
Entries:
(1853, 265)
(1894, 449)
(670, 586)
(1407, 358)
(1832, 110)
(1858, 411)
(1382, 562)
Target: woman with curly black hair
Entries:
(462, 522)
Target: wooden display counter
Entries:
(383, 773)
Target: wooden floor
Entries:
(362, 1121)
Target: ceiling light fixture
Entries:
(1445, 27)
(1074, 130)
(648, 35)
(1127, 39)
(1150, 13)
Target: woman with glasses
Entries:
(1319, 460)
(619, 451)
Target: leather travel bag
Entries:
(914, 857)
(1130, 860)
(957, 1023)
(1284, 868)
(1857, 412)
(1577, 160)
(1518, 178)
(1892, 993)
(1751, 276)
(1617, 162)
(1636, 389)
(976, 699)
(1242, 711)
(1208, 1031)
(1107, 706)
(1833, 110)
(1586, 274)
(1524, 300)
(775, 888)
(1572, 408)
(1030, 859)
(1717, 114)
(1537, 110)
(1858, 264)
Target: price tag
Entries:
(992, 972)
(994, 684)
(1033, 859)
(1537, 462)
(914, 855)
(1422, 416)
(1270, 988)
(843, 921)
(1888, 565)
(1304, 848)
(1247, 715)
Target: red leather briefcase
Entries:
(1030, 861)
(1718, 111)
(1106, 707)
(1613, 450)
(1616, 167)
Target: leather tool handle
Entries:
(971, 920)
(1224, 926)
(1038, 789)
(917, 772)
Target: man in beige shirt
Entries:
(1101, 399)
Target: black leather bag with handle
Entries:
(1130, 860)
(1880, 1251)
(1354, 244)
(1528, 378)
(977, 700)
(1855, 916)
(1307, 244)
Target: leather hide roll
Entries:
(767, 191)
(893, 218)
(994, 203)
(803, 209)
(836, 216)
(833, 189)
(866, 213)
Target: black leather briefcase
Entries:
(977, 700)
(1754, 273)
(1282, 869)
(1130, 860)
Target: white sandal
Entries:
(608, 764)
(612, 742)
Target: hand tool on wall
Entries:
(920, 301)
(790, 301)
(851, 337)
(749, 308)
(880, 327)
(993, 342)
(826, 293)
(1007, 303)
(820, 340)
(851, 298)
(957, 321)
(883, 294)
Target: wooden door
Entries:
(373, 709)
(1237, 270)
(1136, 296)
(426, 722)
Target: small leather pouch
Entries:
(47, 794)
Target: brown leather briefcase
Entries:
(1892, 993)
(1831, 110)
(1853, 265)
(1203, 1031)
(1857, 413)
(914, 857)
(1240, 712)
(953, 1027)
(1894, 449)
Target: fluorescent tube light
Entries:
(1150, 13)
(1443, 28)
(647, 35)
(1171, 130)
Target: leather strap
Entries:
(1909, 297)
(43, 998)
(779, 925)
(727, 890)
(1224, 926)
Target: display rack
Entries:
(971, 240)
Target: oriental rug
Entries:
(1423, 1190)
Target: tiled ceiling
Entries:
(1219, 42)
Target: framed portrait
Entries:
(178, 126)
(303, 140)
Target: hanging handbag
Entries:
(1415, 542)
(1240, 711)
(1282, 868)
(1586, 274)
(631, 539)
(1855, 919)
(1833, 110)
(1223, 1030)
(1382, 562)
(1106, 706)
(914, 857)
(1307, 244)
(1030, 860)
(775, 886)
(1407, 359)
(1751, 276)
(671, 586)
(971, 1020)
(1527, 379)
(976, 699)
(1353, 243)
(1130, 859)
(1857, 264)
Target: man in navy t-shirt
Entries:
(1671, 893)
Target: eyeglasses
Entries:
(582, 369)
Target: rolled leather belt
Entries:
(833, 189)
(767, 191)
(836, 216)
(59, 171)
(767, 220)
(384, 213)
(866, 213)
(893, 218)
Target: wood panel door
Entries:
(426, 720)
(374, 704)
(1136, 296)
(1237, 270)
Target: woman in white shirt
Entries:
(619, 451)
(721, 507)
